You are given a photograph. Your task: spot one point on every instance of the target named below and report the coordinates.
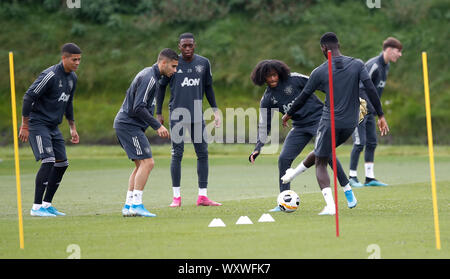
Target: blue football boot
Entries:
(355, 183)
(126, 211)
(54, 211)
(139, 210)
(41, 212)
(351, 199)
(375, 182)
(276, 209)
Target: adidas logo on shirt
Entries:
(180, 71)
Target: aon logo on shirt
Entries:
(64, 97)
(288, 106)
(190, 82)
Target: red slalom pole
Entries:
(333, 138)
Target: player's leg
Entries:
(144, 164)
(322, 151)
(121, 133)
(129, 196)
(177, 142)
(324, 183)
(40, 186)
(295, 142)
(308, 162)
(144, 167)
(369, 155)
(341, 176)
(341, 136)
(137, 147)
(359, 141)
(291, 173)
(201, 150)
(40, 142)
(57, 172)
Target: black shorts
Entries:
(323, 138)
(47, 142)
(134, 142)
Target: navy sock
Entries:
(202, 171)
(175, 170)
(354, 156)
(341, 176)
(54, 179)
(41, 181)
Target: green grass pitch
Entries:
(398, 218)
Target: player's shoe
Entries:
(41, 212)
(288, 176)
(275, 209)
(375, 182)
(54, 211)
(353, 181)
(351, 199)
(176, 202)
(126, 211)
(328, 211)
(139, 210)
(205, 201)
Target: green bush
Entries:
(120, 37)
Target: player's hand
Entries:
(217, 120)
(285, 120)
(162, 132)
(160, 118)
(383, 126)
(24, 133)
(74, 136)
(253, 156)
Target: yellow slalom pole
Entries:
(16, 149)
(430, 150)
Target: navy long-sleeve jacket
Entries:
(50, 97)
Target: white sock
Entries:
(369, 170)
(137, 197)
(46, 204)
(300, 168)
(346, 187)
(353, 173)
(202, 191)
(328, 197)
(176, 192)
(129, 199)
(36, 206)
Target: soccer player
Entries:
(283, 87)
(188, 85)
(365, 134)
(347, 73)
(133, 118)
(46, 101)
